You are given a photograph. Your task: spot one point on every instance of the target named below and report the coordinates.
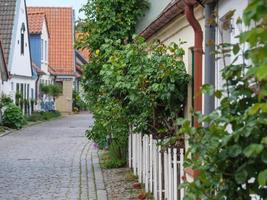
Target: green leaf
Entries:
(264, 140)
(207, 88)
(262, 178)
(218, 94)
(236, 49)
(235, 150)
(262, 72)
(253, 150)
(241, 176)
(264, 156)
(256, 107)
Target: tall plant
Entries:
(113, 20)
(128, 82)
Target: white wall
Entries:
(228, 36)
(45, 39)
(20, 64)
(155, 9)
(10, 86)
(45, 79)
(180, 29)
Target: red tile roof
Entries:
(60, 26)
(36, 21)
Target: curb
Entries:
(28, 126)
(99, 179)
(6, 133)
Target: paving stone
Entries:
(48, 161)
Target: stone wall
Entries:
(64, 101)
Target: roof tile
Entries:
(60, 26)
(36, 20)
(7, 15)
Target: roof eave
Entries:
(165, 17)
(4, 75)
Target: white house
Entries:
(39, 40)
(15, 37)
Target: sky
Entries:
(76, 4)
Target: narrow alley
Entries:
(52, 160)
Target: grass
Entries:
(131, 177)
(107, 162)
(43, 116)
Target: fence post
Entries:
(140, 157)
(144, 159)
(170, 173)
(147, 164)
(175, 181)
(134, 149)
(160, 173)
(130, 149)
(165, 168)
(151, 163)
(182, 172)
(155, 173)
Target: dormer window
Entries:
(22, 34)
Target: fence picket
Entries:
(169, 174)
(181, 172)
(155, 182)
(151, 163)
(166, 181)
(175, 184)
(147, 164)
(161, 172)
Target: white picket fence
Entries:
(161, 172)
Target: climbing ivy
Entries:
(229, 148)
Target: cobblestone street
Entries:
(50, 161)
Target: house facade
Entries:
(189, 21)
(39, 40)
(16, 47)
(61, 54)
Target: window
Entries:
(42, 49)
(17, 88)
(28, 91)
(22, 33)
(21, 90)
(32, 93)
(46, 52)
(12, 86)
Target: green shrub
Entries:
(51, 90)
(110, 164)
(13, 117)
(78, 102)
(43, 116)
(50, 115)
(36, 116)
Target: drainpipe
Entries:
(209, 101)
(198, 52)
